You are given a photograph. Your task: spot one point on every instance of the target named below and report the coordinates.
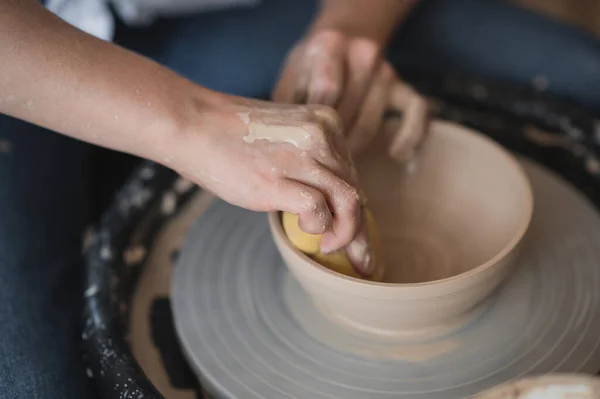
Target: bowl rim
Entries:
(278, 233)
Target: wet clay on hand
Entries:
(327, 179)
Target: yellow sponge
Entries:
(337, 261)
(305, 242)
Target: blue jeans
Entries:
(44, 193)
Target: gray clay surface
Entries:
(235, 323)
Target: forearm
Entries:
(56, 76)
(375, 19)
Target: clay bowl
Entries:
(551, 386)
(450, 225)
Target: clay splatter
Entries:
(169, 203)
(182, 185)
(91, 291)
(547, 139)
(5, 147)
(540, 82)
(134, 255)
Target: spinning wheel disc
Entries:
(251, 342)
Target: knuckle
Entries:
(325, 112)
(328, 119)
(329, 36)
(350, 200)
(326, 86)
(317, 132)
(310, 200)
(366, 50)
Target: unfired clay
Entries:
(552, 386)
(450, 229)
(244, 340)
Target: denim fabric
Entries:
(496, 39)
(43, 177)
(42, 214)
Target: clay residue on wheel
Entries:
(548, 387)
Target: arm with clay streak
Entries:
(56, 76)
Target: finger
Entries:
(362, 59)
(293, 82)
(415, 122)
(314, 216)
(301, 88)
(284, 91)
(336, 178)
(349, 221)
(371, 115)
(360, 252)
(327, 79)
(328, 119)
(343, 201)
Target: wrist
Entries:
(375, 20)
(181, 122)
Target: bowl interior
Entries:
(462, 205)
(463, 202)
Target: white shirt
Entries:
(95, 17)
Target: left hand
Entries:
(334, 68)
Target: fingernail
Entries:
(326, 247)
(359, 254)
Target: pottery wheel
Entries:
(245, 338)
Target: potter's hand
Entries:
(346, 72)
(268, 157)
(252, 154)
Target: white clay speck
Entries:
(305, 194)
(244, 116)
(540, 82)
(182, 185)
(592, 165)
(134, 255)
(147, 173)
(5, 146)
(169, 203)
(91, 291)
(106, 253)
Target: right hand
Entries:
(265, 157)
(344, 70)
